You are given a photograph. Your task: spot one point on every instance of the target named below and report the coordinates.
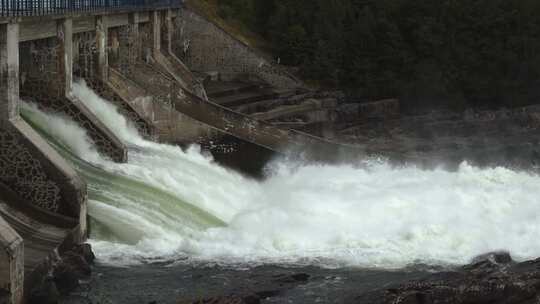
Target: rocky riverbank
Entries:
(66, 274)
(184, 283)
(503, 137)
(490, 138)
(492, 278)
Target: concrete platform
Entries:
(216, 89)
(42, 231)
(245, 97)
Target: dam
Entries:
(96, 99)
(128, 53)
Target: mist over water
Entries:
(166, 203)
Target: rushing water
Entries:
(169, 204)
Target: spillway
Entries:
(167, 204)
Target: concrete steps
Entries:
(288, 108)
(282, 112)
(287, 97)
(214, 119)
(217, 89)
(258, 107)
(42, 231)
(245, 97)
(293, 109)
(295, 125)
(285, 108)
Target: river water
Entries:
(178, 207)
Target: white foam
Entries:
(66, 131)
(382, 216)
(374, 216)
(107, 112)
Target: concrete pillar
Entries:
(101, 36)
(76, 55)
(155, 21)
(65, 56)
(134, 41)
(168, 19)
(11, 262)
(9, 71)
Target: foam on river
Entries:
(167, 204)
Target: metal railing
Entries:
(57, 7)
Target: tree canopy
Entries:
(445, 52)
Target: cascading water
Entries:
(167, 204)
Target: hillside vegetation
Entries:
(450, 52)
(213, 10)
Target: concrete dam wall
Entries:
(206, 47)
(130, 57)
(32, 177)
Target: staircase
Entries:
(285, 108)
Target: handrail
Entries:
(14, 8)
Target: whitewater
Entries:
(167, 204)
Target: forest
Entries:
(455, 53)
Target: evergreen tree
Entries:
(454, 52)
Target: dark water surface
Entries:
(274, 284)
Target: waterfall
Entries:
(174, 205)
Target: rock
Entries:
(86, 251)
(329, 103)
(4, 296)
(272, 288)
(300, 277)
(491, 278)
(66, 279)
(498, 257)
(416, 298)
(348, 112)
(381, 109)
(535, 157)
(78, 263)
(45, 292)
(71, 268)
(270, 293)
(336, 95)
(252, 299)
(534, 120)
(294, 278)
(232, 299)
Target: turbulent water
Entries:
(169, 204)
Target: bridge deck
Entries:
(9, 8)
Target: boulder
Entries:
(386, 108)
(45, 292)
(293, 278)
(73, 266)
(497, 257)
(272, 288)
(232, 299)
(491, 278)
(5, 296)
(85, 250)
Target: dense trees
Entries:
(453, 52)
